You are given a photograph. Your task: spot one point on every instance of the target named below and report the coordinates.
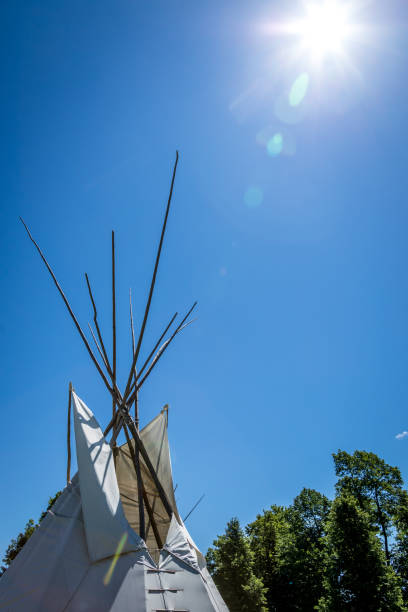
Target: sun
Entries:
(325, 28)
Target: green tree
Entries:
(288, 547)
(51, 502)
(376, 485)
(304, 557)
(17, 543)
(357, 576)
(310, 509)
(400, 549)
(400, 562)
(269, 537)
(231, 563)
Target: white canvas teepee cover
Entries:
(104, 519)
(85, 556)
(156, 443)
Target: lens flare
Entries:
(277, 140)
(116, 556)
(299, 89)
(253, 197)
(275, 145)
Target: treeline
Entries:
(348, 554)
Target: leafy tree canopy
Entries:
(330, 555)
(356, 574)
(17, 543)
(376, 486)
(231, 563)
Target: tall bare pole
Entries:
(98, 331)
(69, 434)
(128, 421)
(160, 352)
(141, 493)
(152, 352)
(107, 366)
(142, 527)
(77, 325)
(133, 354)
(194, 507)
(152, 284)
(102, 352)
(117, 418)
(113, 322)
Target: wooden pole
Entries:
(122, 416)
(136, 463)
(99, 350)
(113, 322)
(152, 520)
(152, 284)
(116, 430)
(133, 354)
(194, 507)
(69, 435)
(153, 350)
(98, 331)
(81, 333)
(161, 351)
(128, 421)
(112, 423)
(145, 497)
(105, 355)
(136, 454)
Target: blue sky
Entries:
(297, 257)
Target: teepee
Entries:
(114, 539)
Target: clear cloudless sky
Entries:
(289, 226)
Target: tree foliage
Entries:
(376, 486)
(304, 558)
(399, 556)
(231, 563)
(356, 573)
(350, 554)
(288, 547)
(17, 543)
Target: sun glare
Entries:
(325, 28)
(310, 57)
